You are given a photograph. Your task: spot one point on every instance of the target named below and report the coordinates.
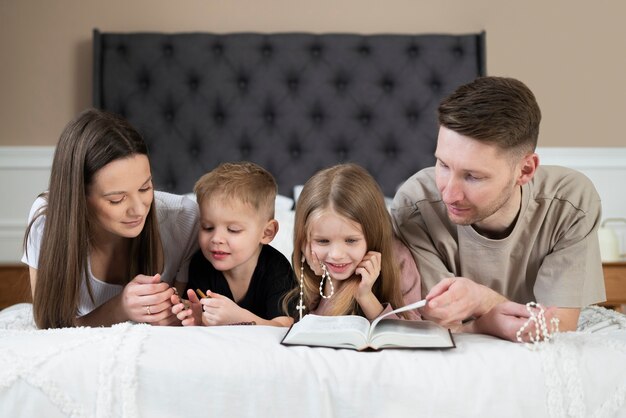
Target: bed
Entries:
(293, 103)
(133, 370)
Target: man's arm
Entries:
(568, 318)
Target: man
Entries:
(489, 229)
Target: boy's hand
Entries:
(188, 311)
(220, 310)
(369, 270)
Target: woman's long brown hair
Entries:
(89, 142)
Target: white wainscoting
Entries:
(24, 173)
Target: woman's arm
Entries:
(32, 272)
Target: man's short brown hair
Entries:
(497, 110)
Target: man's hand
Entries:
(455, 299)
(506, 319)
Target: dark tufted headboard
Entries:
(291, 102)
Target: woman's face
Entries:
(119, 198)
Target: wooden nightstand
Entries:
(14, 284)
(615, 283)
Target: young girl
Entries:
(345, 255)
(99, 248)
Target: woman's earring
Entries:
(326, 274)
(301, 306)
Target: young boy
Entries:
(244, 278)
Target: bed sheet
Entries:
(134, 370)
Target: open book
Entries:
(356, 332)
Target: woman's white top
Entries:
(178, 224)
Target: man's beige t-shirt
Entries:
(552, 256)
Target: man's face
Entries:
(476, 180)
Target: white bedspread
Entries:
(132, 370)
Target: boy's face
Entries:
(231, 234)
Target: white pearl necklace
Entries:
(541, 328)
(301, 306)
(326, 274)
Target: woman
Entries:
(101, 245)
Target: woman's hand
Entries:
(147, 299)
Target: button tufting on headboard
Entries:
(292, 102)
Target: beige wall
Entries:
(572, 53)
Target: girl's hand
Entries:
(220, 310)
(147, 299)
(369, 270)
(188, 311)
(313, 261)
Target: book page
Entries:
(416, 334)
(331, 331)
(408, 307)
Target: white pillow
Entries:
(283, 203)
(296, 192)
(283, 241)
(388, 202)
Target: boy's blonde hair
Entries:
(242, 181)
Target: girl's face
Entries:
(338, 242)
(119, 198)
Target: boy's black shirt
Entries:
(273, 277)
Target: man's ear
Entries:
(270, 231)
(528, 168)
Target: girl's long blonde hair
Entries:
(351, 191)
